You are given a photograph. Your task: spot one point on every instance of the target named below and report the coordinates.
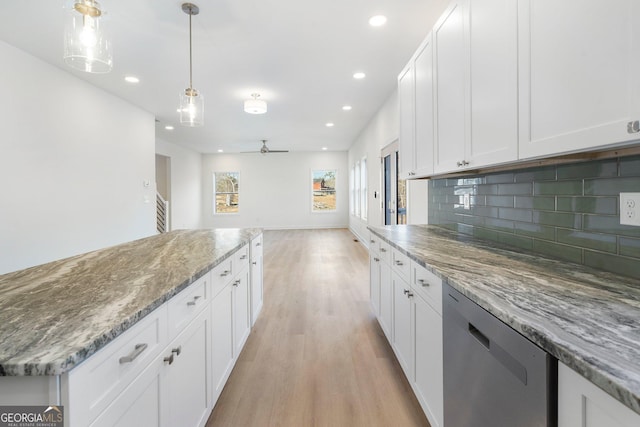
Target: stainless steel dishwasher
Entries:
(493, 376)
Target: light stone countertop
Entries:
(54, 316)
(588, 319)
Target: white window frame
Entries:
(357, 189)
(215, 193)
(364, 205)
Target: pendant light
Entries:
(191, 101)
(86, 46)
(255, 105)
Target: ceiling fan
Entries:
(265, 150)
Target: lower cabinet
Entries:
(241, 311)
(386, 300)
(374, 283)
(257, 285)
(583, 404)
(221, 339)
(402, 329)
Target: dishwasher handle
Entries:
(482, 338)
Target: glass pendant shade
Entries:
(191, 108)
(86, 46)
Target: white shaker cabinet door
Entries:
(493, 35)
(402, 338)
(579, 74)
(407, 111)
(451, 86)
(424, 114)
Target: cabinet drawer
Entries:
(241, 259)
(401, 264)
(221, 275)
(256, 247)
(385, 251)
(102, 378)
(427, 285)
(184, 307)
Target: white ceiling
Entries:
(299, 55)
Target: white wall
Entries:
(275, 190)
(73, 159)
(186, 185)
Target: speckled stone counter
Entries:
(588, 319)
(54, 316)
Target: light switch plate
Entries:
(630, 209)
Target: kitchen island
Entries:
(58, 317)
(588, 319)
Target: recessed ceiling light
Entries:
(220, 150)
(324, 148)
(169, 127)
(132, 79)
(346, 107)
(359, 75)
(378, 20)
(329, 125)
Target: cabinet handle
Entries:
(243, 257)
(236, 283)
(633, 127)
(177, 350)
(255, 263)
(410, 295)
(169, 359)
(258, 244)
(197, 297)
(137, 351)
(463, 163)
(225, 273)
(406, 291)
(376, 259)
(423, 283)
(372, 241)
(383, 250)
(399, 263)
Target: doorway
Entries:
(394, 189)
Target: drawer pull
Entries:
(383, 250)
(137, 351)
(423, 282)
(406, 291)
(373, 241)
(196, 298)
(255, 263)
(243, 257)
(236, 283)
(399, 263)
(169, 359)
(177, 350)
(258, 244)
(225, 273)
(376, 259)
(410, 295)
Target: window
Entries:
(357, 189)
(363, 188)
(323, 190)
(352, 198)
(226, 198)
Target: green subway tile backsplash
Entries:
(568, 212)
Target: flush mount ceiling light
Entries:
(191, 101)
(378, 20)
(86, 46)
(255, 105)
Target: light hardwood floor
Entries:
(316, 356)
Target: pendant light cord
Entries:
(190, 57)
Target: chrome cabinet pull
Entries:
(194, 300)
(376, 259)
(177, 350)
(255, 263)
(243, 257)
(169, 359)
(258, 244)
(462, 163)
(399, 262)
(236, 283)
(383, 250)
(423, 283)
(225, 273)
(137, 351)
(406, 291)
(410, 295)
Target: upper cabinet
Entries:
(579, 71)
(415, 93)
(499, 81)
(476, 74)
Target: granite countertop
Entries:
(588, 319)
(54, 316)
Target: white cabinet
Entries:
(241, 311)
(188, 370)
(257, 284)
(476, 72)
(428, 369)
(582, 404)
(374, 283)
(451, 86)
(493, 70)
(402, 342)
(406, 106)
(221, 339)
(386, 300)
(579, 68)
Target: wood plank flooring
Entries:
(316, 356)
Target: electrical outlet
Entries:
(630, 209)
